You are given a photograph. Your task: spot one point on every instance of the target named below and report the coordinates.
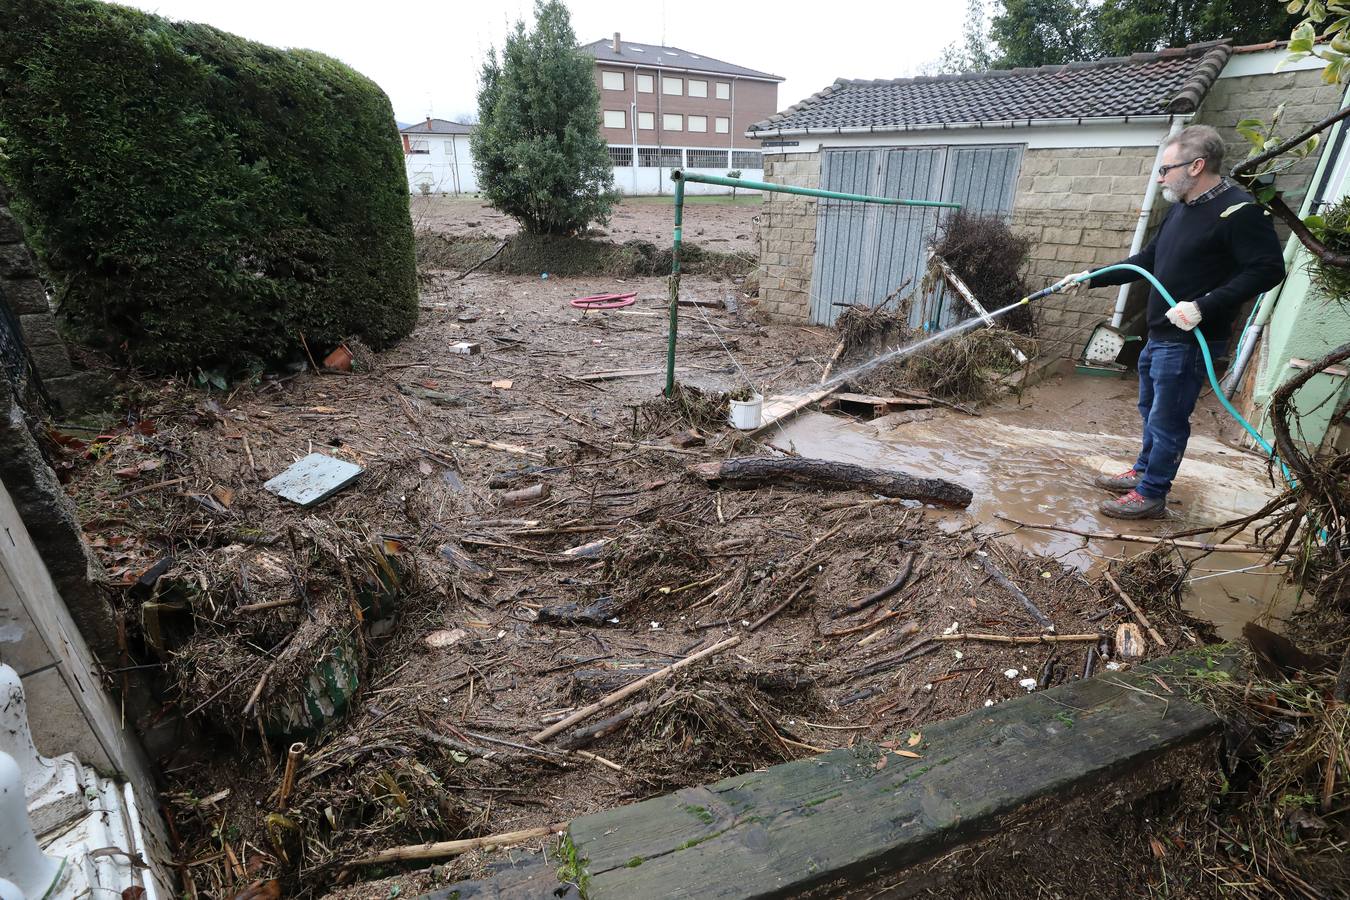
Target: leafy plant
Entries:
(1263, 137)
(1303, 42)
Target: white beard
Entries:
(1170, 195)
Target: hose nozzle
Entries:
(1052, 289)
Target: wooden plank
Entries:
(781, 407)
(902, 403)
(862, 812)
(856, 404)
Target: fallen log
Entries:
(753, 471)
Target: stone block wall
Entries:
(787, 238)
(1079, 207)
(22, 292)
(1306, 98)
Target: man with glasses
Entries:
(1216, 249)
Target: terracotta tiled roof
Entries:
(1145, 84)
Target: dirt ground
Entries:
(474, 616)
(716, 223)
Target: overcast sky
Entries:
(426, 55)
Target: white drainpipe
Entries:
(1141, 226)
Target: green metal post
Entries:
(675, 287)
(679, 177)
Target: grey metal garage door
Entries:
(865, 251)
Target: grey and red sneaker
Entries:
(1134, 506)
(1125, 481)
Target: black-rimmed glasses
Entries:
(1163, 170)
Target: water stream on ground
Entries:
(1036, 462)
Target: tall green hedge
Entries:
(199, 199)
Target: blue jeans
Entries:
(1171, 376)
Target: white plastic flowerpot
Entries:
(747, 415)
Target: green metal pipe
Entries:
(675, 287)
(679, 177)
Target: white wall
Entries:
(447, 168)
(643, 180)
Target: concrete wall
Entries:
(1306, 325)
(787, 238)
(1079, 207)
(645, 180)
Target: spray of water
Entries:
(907, 349)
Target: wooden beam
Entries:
(780, 408)
(852, 815)
(966, 294)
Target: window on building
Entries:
(672, 122)
(707, 159)
(621, 156)
(645, 84)
(646, 121)
(612, 81)
(673, 86)
(724, 90)
(449, 147)
(698, 123)
(654, 157)
(615, 118)
(698, 88)
(723, 124)
(418, 145)
(747, 159)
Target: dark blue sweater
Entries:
(1219, 254)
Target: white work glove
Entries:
(1185, 315)
(1075, 283)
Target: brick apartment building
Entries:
(664, 108)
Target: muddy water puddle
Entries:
(1044, 475)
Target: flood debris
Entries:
(966, 369)
(446, 659)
